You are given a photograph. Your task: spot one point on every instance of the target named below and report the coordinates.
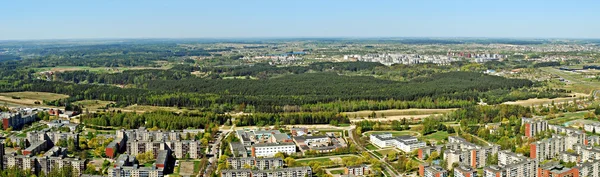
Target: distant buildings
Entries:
(405, 143)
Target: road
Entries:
(214, 149)
(387, 167)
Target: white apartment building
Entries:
(270, 149)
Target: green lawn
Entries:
(371, 147)
(438, 136)
(378, 154)
(568, 116)
(322, 160)
(335, 172)
(386, 152)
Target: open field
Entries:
(392, 118)
(397, 112)
(576, 82)
(97, 69)
(568, 116)
(92, 104)
(385, 152)
(438, 136)
(35, 95)
(29, 98)
(371, 147)
(186, 168)
(337, 172)
(144, 108)
(545, 101)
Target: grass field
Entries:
(36, 95)
(322, 160)
(97, 69)
(384, 152)
(438, 136)
(569, 116)
(544, 101)
(29, 98)
(92, 104)
(337, 172)
(577, 82)
(371, 147)
(397, 112)
(143, 108)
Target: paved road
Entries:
(214, 149)
(387, 167)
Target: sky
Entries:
(77, 19)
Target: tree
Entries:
(279, 155)
(91, 169)
(71, 145)
(290, 162)
(247, 166)
(145, 157)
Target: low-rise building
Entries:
(357, 170)
(270, 149)
(405, 143)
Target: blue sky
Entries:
(62, 19)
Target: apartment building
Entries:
(424, 152)
(126, 165)
(589, 168)
(435, 171)
(259, 163)
(556, 170)
(270, 149)
(19, 119)
(280, 172)
(533, 126)
(458, 150)
(357, 170)
(592, 127)
(552, 147)
(464, 171)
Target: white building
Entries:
(405, 143)
(270, 149)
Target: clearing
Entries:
(397, 112)
(438, 136)
(92, 104)
(575, 82)
(95, 69)
(29, 98)
(546, 101)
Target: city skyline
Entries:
(30, 20)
